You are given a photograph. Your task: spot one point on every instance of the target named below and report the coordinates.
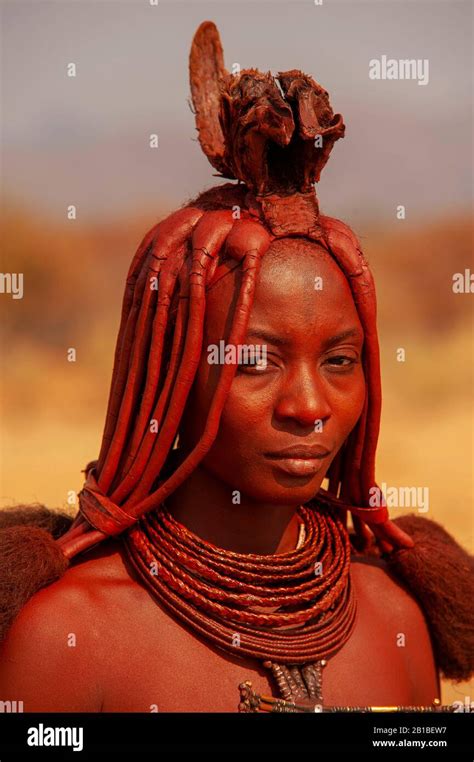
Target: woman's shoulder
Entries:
(391, 608)
(90, 582)
(376, 583)
(53, 651)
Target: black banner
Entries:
(95, 736)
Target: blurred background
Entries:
(85, 141)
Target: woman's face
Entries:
(308, 395)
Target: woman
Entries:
(220, 574)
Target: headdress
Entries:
(274, 135)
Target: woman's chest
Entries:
(166, 668)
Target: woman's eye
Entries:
(254, 365)
(342, 361)
(255, 362)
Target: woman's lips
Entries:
(297, 466)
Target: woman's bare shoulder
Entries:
(53, 652)
(386, 601)
(378, 585)
(91, 583)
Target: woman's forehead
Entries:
(296, 289)
(294, 270)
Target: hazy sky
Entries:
(84, 140)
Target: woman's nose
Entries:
(303, 398)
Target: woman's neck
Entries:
(205, 506)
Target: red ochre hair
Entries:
(157, 357)
(274, 137)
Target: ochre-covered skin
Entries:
(240, 259)
(130, 654)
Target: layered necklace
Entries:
(291, 611)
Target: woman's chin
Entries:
(289, 494)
